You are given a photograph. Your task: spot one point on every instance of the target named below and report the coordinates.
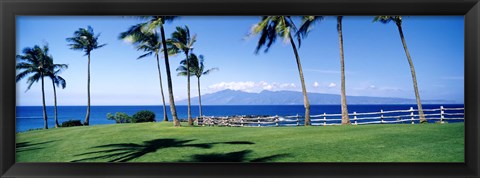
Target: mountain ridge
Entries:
(284, 97)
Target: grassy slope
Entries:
(160, 142)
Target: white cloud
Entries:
(316, 84)
(249, 86)
(331, 85)
(268, 87)
(244, 86)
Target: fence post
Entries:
(258, 121)
(411, 115)
(324, 119)
(298, 121)
(276, 120)
(355, 117)
(442, 112)
(241, 121)
(381, 116)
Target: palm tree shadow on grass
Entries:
(29, 146)
(125, 152)
(239, 156)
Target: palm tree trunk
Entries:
(176, 122)
(165, 117)
(414, 76)
(45, 124)
(190, 121)
(304, 89)
(55, 104)
(87, 117)
(345, 119)
(199, 98)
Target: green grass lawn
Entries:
(161, 142)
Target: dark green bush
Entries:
(119, 117)
(71, 123)
(143, 116)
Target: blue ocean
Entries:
(30, 117)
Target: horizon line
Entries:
(241, 105)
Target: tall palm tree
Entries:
(153, 22)
(151, 44)
(33, 62)
(269, 28)
(307, 23)
(84, 39)
(183, 41)
(398, 22)
(197, 68)
(345, 119)
(53, 71)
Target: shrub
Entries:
(71, 123)
(143, 116)
(120, 117)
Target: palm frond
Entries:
(145, 55)
(388, 19)
(99, 46)
(35, 61)
(210, 70)
(154, 22)
(136, 32)
(182, 71)
(196, 64)
(60, 81)
(59, 67)
(192, 40)
(171, 49)
(32, 79)
(84, 39)
(144, 40)
(22, 75)
(382, 19)
(276, 26)
(193, 62)
(307, 25)
(182, 40)
(24, 65)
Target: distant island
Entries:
(234, 97)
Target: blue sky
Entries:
(375, 61)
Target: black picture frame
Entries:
(11, 8)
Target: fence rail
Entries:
(440, 115)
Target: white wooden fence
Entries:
(440, 115)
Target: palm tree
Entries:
(398, 22)
(183, 41)
(152, 22)
(345, 119)
(53, 71)
(269, 28)
(197, 68)
(33, 62)
(151, 44)
(84, 39)
(308, 22)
